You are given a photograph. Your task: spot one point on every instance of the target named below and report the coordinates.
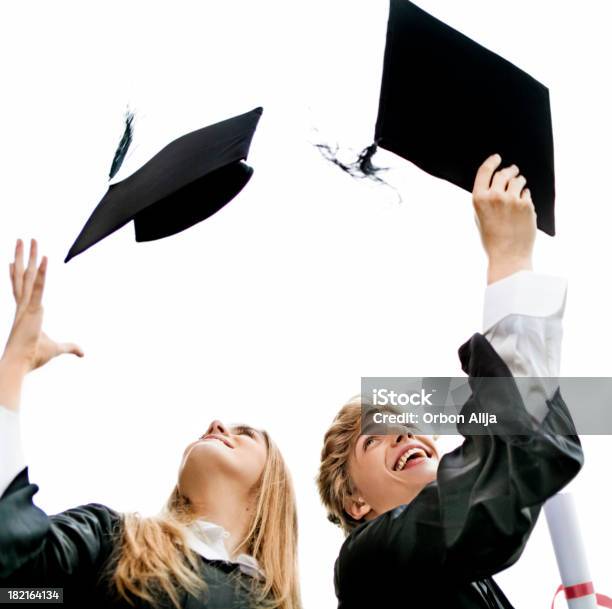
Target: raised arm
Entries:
(28, 347)
(476, 518)
(523, 310)
(37, 549)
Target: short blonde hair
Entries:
(333, 481)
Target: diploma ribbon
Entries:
(579, 590)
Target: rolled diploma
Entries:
(569, 549)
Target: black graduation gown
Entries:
(441, 549)
(70, 550)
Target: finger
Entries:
(516, 185)
(30, 274)
(39, 284)
(12, 276)
(526, 197)
(18, 269)
(485, 172)
(13, 281)
(501, 178)
(33, 254)
(70, 348)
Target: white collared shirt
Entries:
(208, 540)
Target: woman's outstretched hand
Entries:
(505, 217)
(27, 347)
(27, 343)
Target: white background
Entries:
(272, 310)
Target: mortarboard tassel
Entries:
(124, 144)
(361, 168)
(364, 161)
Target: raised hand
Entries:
(505, 217)
(28, 346)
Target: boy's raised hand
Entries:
(505, 217)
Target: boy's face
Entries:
(388, 471)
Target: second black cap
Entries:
(447, 103)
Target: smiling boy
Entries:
(422, 528)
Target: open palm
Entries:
(27, 341)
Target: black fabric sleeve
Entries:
(41, 550)
(475, 519)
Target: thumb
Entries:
(71, 348)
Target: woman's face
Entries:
(390, 470)
(227, 457)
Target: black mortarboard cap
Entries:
(186, 182)
(447, 103)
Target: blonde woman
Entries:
(227, 536)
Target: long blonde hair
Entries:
(154, 556)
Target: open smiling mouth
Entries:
(410, 458)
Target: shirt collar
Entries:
(208, 539)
